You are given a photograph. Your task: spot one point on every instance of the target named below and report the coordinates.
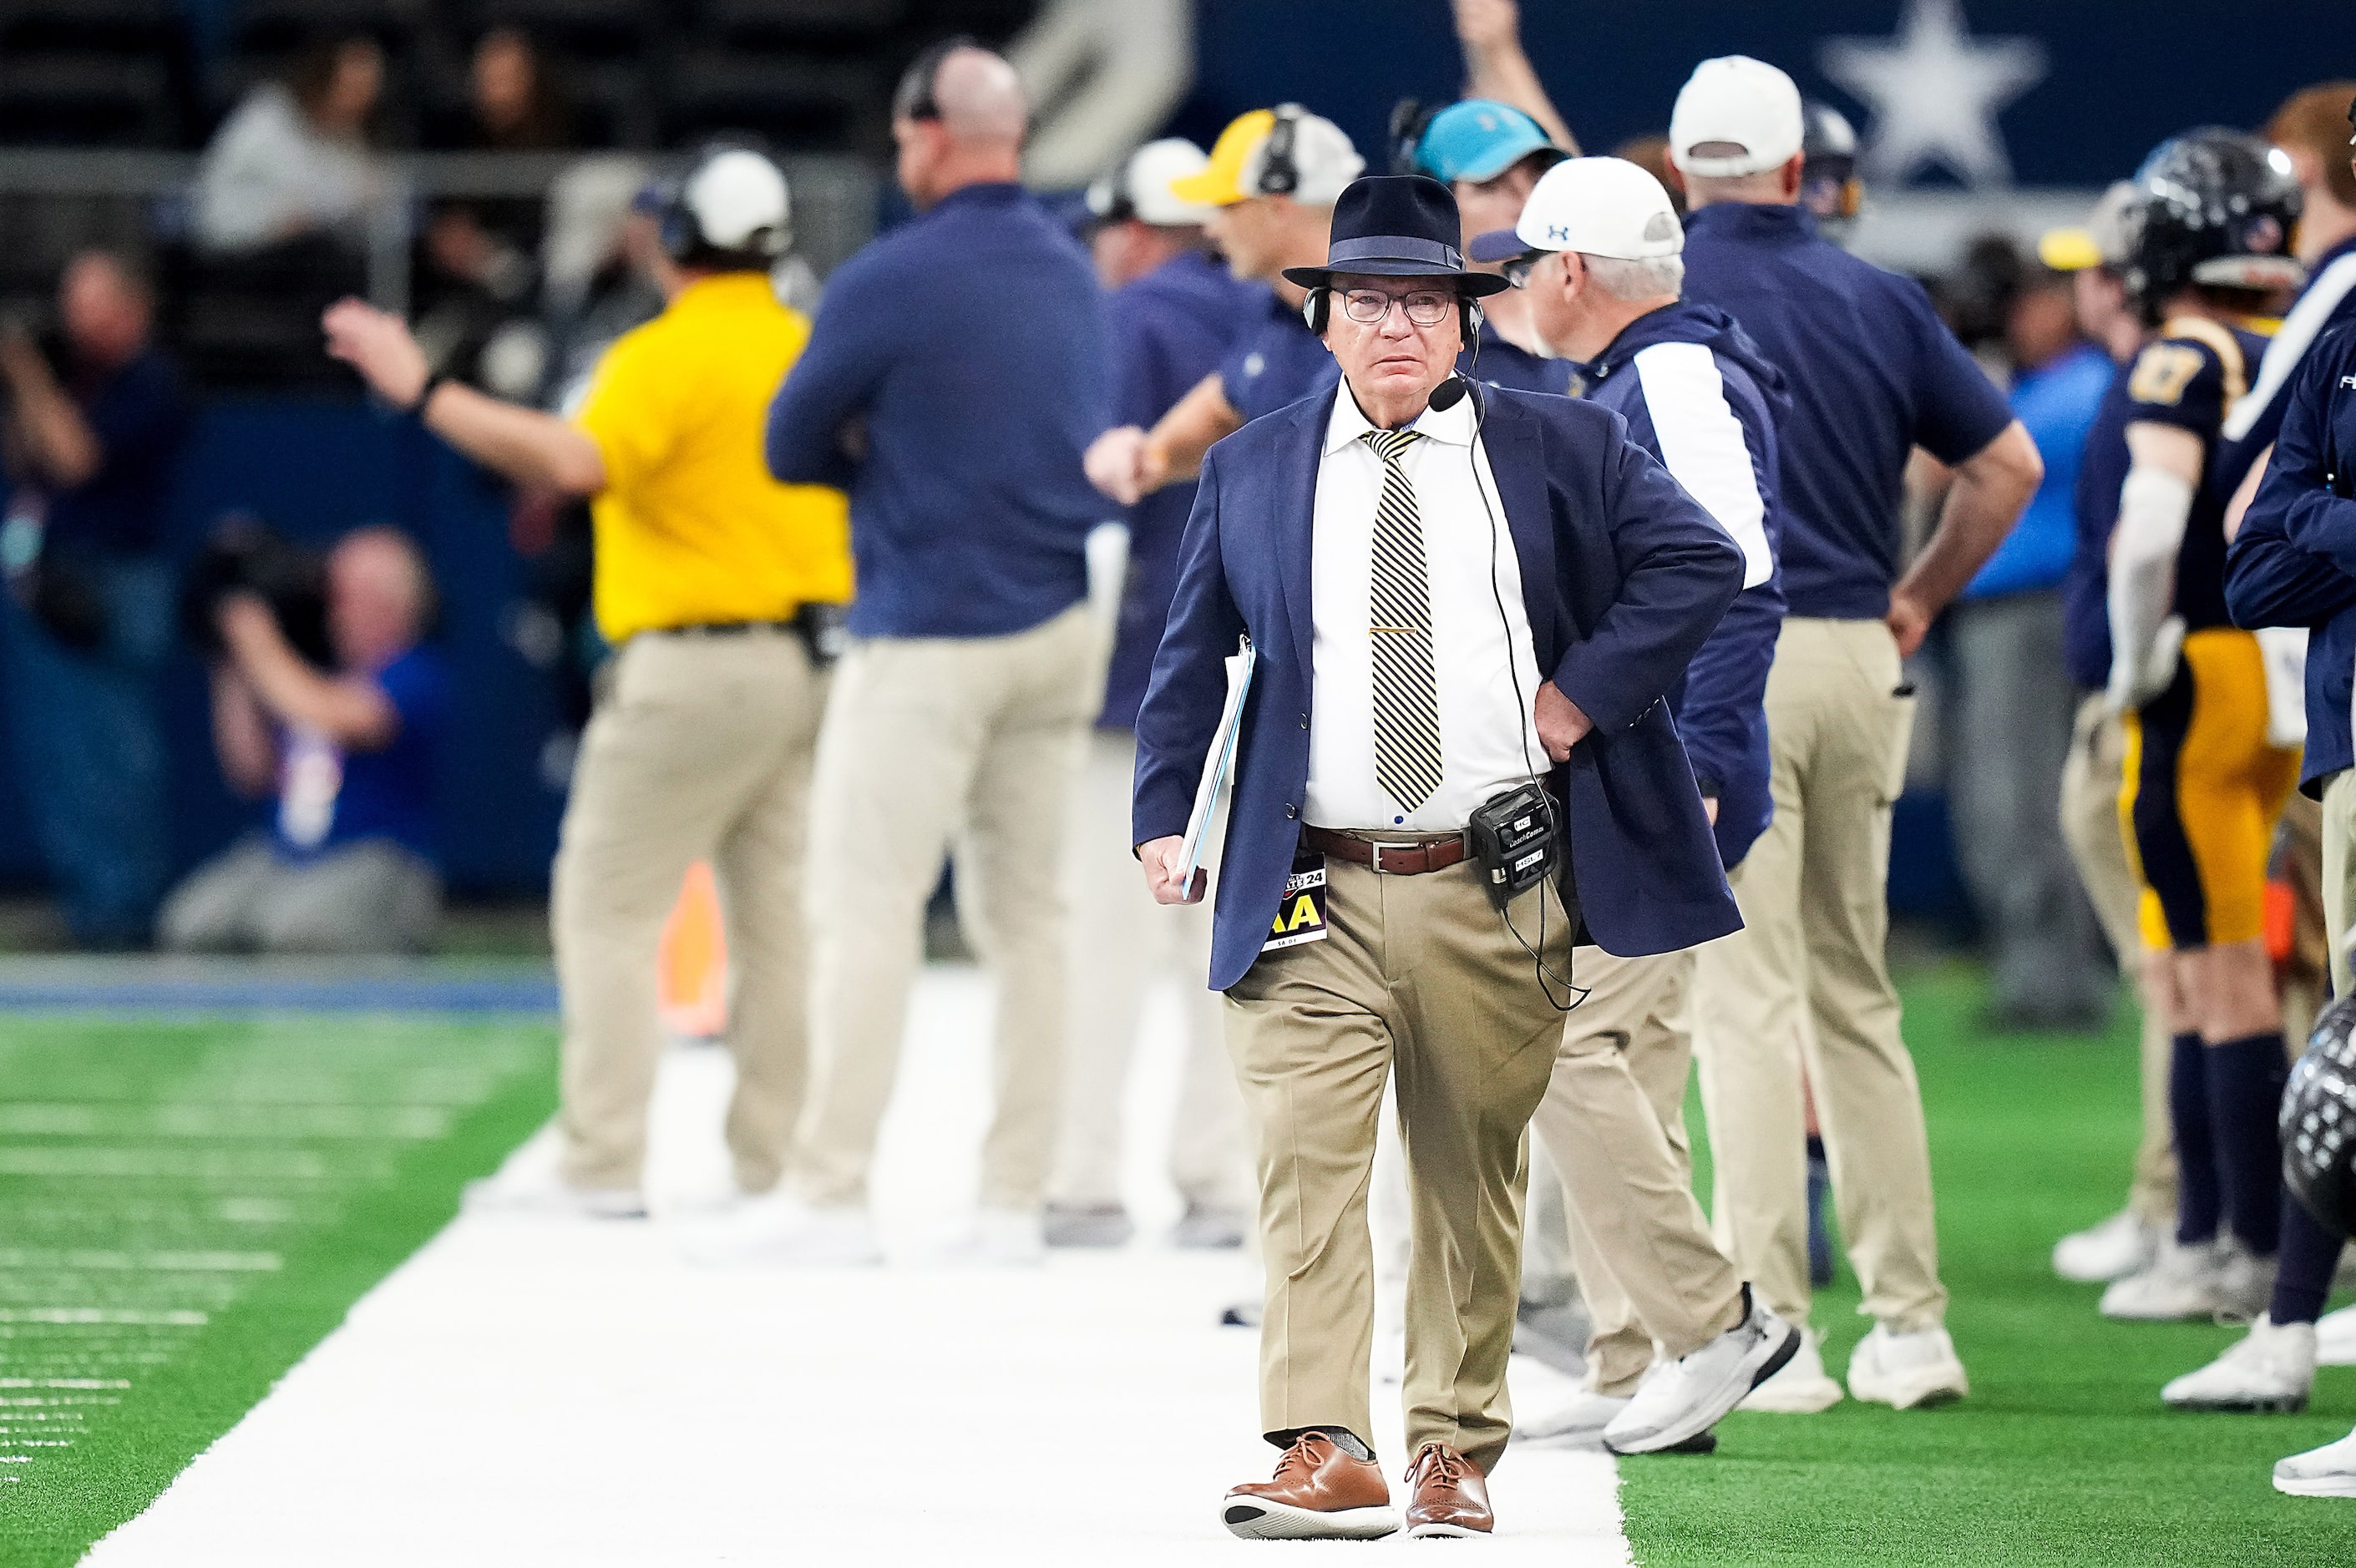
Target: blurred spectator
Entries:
(292, 161)
(2012, 702)
(479, 269)
(90, 614)
(348, 864)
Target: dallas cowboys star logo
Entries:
(1935, 91)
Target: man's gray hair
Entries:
(1648, 279)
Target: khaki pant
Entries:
(2090, 822)
(1807, 981)
(1122, 941)
(1420, 978)
(932, 741)
(1613, 1121)
(701, 749)
(2339, 873)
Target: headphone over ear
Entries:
(1279, 175)
(1410, 118)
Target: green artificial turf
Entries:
(187, 1207)
(2063, 1453)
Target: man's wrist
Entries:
(434, 382)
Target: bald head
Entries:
(379, 596)
(980, 100)
(959, 119)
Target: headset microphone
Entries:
(1450, 393)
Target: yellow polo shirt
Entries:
(690, 527)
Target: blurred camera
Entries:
(246, 555)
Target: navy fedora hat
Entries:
(1396, 226)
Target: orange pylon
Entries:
(694, 961)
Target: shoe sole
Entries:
(1267, 1521)
(2282, 1404)
(2317, 1486)
(1442, 1532)
(1747, 1376)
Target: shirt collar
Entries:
(1786, 221)
(1453, 425)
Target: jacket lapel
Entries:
(1296, 509)
(1511, 437)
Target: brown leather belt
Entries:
(1411, 858)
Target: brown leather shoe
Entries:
(1446, 1495)
(1319, 1493)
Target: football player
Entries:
(2203, 782)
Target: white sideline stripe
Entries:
(543, 1391)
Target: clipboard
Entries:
(1219, 765)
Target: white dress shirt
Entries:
(1480, 632)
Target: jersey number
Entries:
(2162, 373)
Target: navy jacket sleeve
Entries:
(1189, 687)
(850, 349)
(2294, 496)
(1678, 573)
(2270, 580)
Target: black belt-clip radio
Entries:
(1514, 837)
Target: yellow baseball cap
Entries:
(2103, 241)
(1321, 163)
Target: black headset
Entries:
(1280, 173)
(1410, 118)
(1112, 197)
(683, 239)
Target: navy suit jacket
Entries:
(1624, 576)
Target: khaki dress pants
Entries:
(1122, 941)
(701, 748)
(1418, 978)
(2339, 875)
(932, 741)
(1807, 981)
(1613, 1123)
(2090, 823)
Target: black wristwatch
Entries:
(434, 383)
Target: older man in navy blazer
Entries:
(1444, 586)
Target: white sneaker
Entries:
(1690, 1395)
(2119, 1246)
(2272, 1367)
(2326, 1472)
(2181, 1282)
(537, 1189)
(1579, 1424)
(780, 1230)
(2335, 1339)
(2244, 1284)
(1001, 1238)
(1906, 1372)
(1801, 1388)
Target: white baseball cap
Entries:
(740, 201)
(1139, 186)
(1737, 100)
(1600, 206)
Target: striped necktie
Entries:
(1406, 696)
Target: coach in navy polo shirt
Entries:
(1873, 374)
(956, 370)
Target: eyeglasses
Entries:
(1518, 270)
(1425, 307)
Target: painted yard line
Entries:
(571, 1392)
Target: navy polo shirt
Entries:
(139, 412)
(1275, 360)
(1171, 329)
(1874, 373)
(972, 350)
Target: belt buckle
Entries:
(1376, 845)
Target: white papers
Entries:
(1221, 761)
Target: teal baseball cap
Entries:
(1478, 139)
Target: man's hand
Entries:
(1908, 620)
(20, 357)
(1125, 465)
(1560, 723)
(377, 344)
(1164, 861)
(245, 623)
(1488, 24)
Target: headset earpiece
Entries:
(1278, 174)
(1316, 309)
(1469, 318)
